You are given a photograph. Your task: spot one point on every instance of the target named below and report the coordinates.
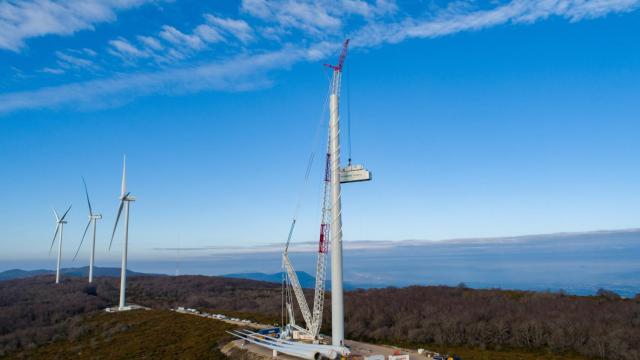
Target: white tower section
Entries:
(337, 296)
(59, 253)
(123, 270)
(60, 221)
(125, 199)
(337, 292)
(93, 252)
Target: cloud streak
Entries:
(172, 45)
(25, 19)
(450, 22)
(250, 69)
(238, 74)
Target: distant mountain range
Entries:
(306, 281)
(79, 271)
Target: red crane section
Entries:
(343, 55)
(324, 227)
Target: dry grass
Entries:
(153, 334)
(479, 354)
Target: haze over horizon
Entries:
(477, 119)
(578, 263)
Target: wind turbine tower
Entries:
(93, 219)
(125, 199)
(337, 292)
(60, 221)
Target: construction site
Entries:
(302, 339)
(265, 343)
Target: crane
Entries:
(313, 316)
(343, 56)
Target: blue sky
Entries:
(477, 118)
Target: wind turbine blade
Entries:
(55, 235)
(116, 224)
(65, 213)
(55, 213)
(86, 192)
(124, 176)
(83, 235)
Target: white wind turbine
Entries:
(125, 199)
(59, 229)
(93, 218)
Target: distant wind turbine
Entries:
(59, 229)
(125, 199)
(93, 218)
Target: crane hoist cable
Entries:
(349, 111)
(310, 161)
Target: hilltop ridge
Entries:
(75, 271)
(435, 317)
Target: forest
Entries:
(34, 312)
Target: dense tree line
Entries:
(599, 327)
(35, 311)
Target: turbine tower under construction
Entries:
(337, 291)
(307, 342)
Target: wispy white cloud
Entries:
(76, 61)
(453, 20)
(89, 52)
(238, 28)
(72, 60)
(208, 33)
(309, 16)
(250, 70)
(125, 49)
(241, 73)
(25, 19)
(150, 42)
(178, 38)
(170, 44)
(53, 71)
(315, 17)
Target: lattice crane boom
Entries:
(297, 290)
